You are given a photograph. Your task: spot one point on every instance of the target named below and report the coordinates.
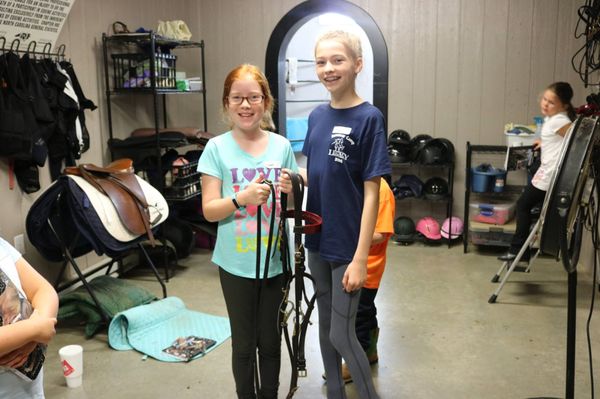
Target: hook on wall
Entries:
(46, 49)
(16, 41)
(61, 51)
(31, 49)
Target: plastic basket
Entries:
(133, 71)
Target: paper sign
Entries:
(32, 20)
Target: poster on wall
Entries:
(32, 20)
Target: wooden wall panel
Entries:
(470, 69)
(424, 67)
(543, 50)
(401, 49)
(493, 70)
(447, 69)
(518, 60)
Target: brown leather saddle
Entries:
(118, 182)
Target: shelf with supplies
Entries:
(147, 64)
(144, 63)
(490, 200)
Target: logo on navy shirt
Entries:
(340, 137)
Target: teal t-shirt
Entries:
(235, 249)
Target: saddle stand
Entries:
(108, 210)
(69, 259)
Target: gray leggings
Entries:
(337, 335)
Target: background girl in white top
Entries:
(558, 112)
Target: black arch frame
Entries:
(294, 19)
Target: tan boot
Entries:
(345, 374)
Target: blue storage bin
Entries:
(295, 130)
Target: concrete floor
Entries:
(439, 336)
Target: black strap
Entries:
(260, 283)
(295, 343)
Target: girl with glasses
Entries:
(234, 167)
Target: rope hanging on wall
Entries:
(587, 59)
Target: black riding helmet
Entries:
(399, 136)
(398, 154)
(399, 146)
(437, 151)
(416, 145)
(404, 230)
(435, 188)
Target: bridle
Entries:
(304, 223)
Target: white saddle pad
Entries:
(157, 205)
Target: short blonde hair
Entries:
(349, 40)
(238, 73)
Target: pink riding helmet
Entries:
(429, 227)
(456, 226)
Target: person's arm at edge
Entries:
(40, 326)
(356, 274)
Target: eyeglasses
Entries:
(252, 99)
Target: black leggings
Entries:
(239, 293)
(530, 197)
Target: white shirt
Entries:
(11, 385)
(552, 143)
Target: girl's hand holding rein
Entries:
(256, 193)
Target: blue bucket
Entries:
(483, 178)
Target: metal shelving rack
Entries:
(148, 44)
(510, 191)
(449, 200)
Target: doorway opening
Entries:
(290, 68)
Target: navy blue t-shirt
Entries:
(344, 147)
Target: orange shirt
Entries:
(385, 225)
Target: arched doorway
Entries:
(275, 63)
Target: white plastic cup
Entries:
(71, 359)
